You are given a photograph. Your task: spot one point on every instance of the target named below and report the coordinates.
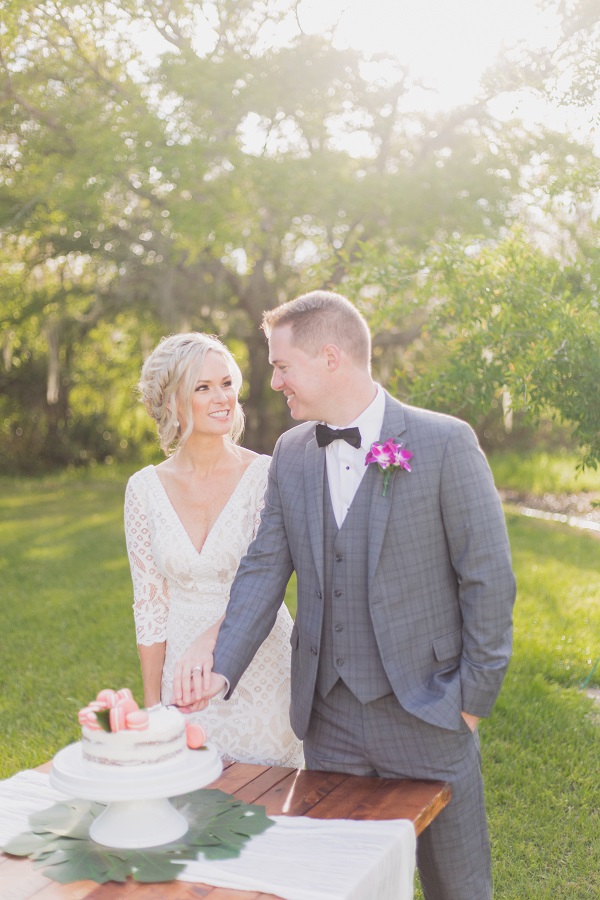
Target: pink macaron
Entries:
(195, 735)
(119, 712)
(124, 694)
(107, 698)
(88, 718)
(128, 704)
(117, 717)
(136, 720)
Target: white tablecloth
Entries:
(297, 859)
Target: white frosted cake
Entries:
(162, 741)
(116, 733)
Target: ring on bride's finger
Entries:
(196, 669)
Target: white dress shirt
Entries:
(346, 464)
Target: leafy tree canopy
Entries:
(491, 326)
(172, 164)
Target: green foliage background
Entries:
(246, 161)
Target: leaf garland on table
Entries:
(59, 842)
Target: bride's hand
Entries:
(192, 675)
(217, 686)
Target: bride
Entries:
(188, 522)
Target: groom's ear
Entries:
(332, 356)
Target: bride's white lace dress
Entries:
(179, 592)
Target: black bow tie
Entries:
(325, 435)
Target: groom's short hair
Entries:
(322, 317)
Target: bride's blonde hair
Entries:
(170, 374)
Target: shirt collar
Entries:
(370, 421)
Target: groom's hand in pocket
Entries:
(472, 721)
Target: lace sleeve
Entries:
(150, 588)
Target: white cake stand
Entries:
(139, 813)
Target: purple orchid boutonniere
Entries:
(388, 457)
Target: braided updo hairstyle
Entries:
(168, 379)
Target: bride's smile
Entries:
(214, 397)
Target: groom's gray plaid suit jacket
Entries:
(440, 582)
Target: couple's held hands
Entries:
(192, 677)
(216, 685)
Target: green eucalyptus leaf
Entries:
(103, 719)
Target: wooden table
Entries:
(294, 792)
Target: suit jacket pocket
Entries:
(448, 646)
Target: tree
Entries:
(499, 326)
(144, 190)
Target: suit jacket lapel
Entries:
(379, 511)
(314, 475)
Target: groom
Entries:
(403, 628)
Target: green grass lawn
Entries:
(67, 630)
(539, 472)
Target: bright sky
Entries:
(447, 42)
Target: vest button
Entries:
(339, 662)
(338, 593)
(339, 627)
(338, 557)
(313, 650)
(319, 595)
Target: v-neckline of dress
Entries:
(177, 517)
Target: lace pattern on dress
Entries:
(179, 592)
